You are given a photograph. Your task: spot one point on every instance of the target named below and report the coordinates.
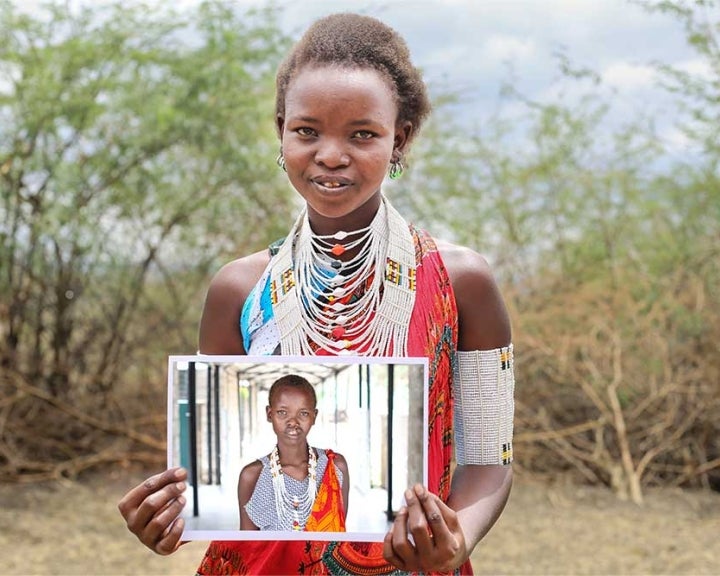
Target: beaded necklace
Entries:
(362, 304)
(292, 510)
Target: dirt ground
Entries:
(74, 528)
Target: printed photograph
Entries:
(277, 447)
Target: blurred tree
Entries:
(136, 154)
(607, 243)
(620, 311)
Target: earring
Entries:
(396, 169)
(280, 160)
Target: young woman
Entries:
(353, 277)
(295, 487)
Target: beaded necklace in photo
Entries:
(293, 510)
(361, 305)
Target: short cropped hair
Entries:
(294, 382)
(355, 41)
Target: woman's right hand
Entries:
(151, 510)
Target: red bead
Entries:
(338, 332)
(338, 249)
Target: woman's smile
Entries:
(331, 184)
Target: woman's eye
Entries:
(304, 414)
(281, 413)
(364, 134)
(305, 131)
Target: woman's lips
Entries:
(331, 183)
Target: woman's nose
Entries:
(331, 154)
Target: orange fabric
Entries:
(328, 511)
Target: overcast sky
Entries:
(471, 41)
(474, 46)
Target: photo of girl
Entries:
(297, 486)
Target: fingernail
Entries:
(181, 500)
(409, 494)
(180, 486)
(179, 473)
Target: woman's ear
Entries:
(279, 125)
(403, 135)
(267, 413)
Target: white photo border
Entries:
(173, 360)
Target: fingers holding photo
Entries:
(151, 510)
(398, 548)
(442, 521)
(170, 539)
(425, 535)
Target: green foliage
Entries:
(136, 151)
(608, 248)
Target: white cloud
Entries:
(675, 139)
(504, 47)
(628, 76)
(696, 67)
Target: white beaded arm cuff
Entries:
(483, 406)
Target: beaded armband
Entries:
(483, 388)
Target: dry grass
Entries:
(74, 528)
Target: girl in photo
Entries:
(296, 486)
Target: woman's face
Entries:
(338, 133)
(292, 414)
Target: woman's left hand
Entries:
(438, 542)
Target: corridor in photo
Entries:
(372, 411)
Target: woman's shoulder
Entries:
(241, 274)
(250, 472)
(219, 333)
(336, 457)
(341, 462)
(482, 316)
(249, 476)
(463, 262)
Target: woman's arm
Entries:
(246, 486)
(445, 534)
(478, 493)
(341, 463)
